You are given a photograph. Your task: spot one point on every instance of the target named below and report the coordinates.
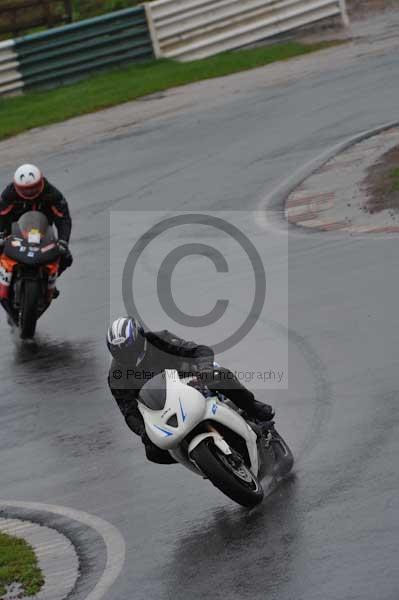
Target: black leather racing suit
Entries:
(50, 202)
(167, 351)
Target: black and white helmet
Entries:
(126, 341)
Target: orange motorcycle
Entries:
(28, 271)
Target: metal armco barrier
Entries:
(180, 29)
(193, 29)
(67, 53)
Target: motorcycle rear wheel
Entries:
(236, 482)
(29, 308)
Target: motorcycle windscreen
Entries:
(34, 227)
(153, 393)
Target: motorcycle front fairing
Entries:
(172, 409)
(31, 223)
(32, 241)
(30, 252)
(30, 255)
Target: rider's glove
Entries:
(64, 250)
(197, 383)
(63, 247)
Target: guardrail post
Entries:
(152, 29)
(344, 12)
(69, 11)
(11, 81)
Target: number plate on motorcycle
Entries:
(34, 237)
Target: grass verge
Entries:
(395, 180)
(382, 183)
(18, 564)
(39, 108)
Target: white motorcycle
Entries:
(209, 436)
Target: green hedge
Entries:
(82, 9)
(85, 9)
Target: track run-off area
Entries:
(330, 531)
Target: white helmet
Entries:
(28, 182)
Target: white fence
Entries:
(10, 77)
(193, 29)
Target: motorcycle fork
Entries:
(22, 275)
(235, 458)
(212, 429)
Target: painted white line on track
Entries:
(114, 541)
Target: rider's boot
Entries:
(260, 411)
(282, 453)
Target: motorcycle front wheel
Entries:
(229, 475)
(29, 308)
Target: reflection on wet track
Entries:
(331, 530)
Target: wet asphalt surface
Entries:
(330, 531)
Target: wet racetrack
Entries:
(331, 530)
